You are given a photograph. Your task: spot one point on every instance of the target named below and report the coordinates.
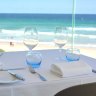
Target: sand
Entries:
(17, 46)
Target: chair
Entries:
(1, 50)
(79, 90)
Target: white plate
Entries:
(5, 78)
(8, 82)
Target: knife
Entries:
(6, 69)
(16, 75)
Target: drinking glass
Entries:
(30, 38)
(72, 54)
(60, 39)
(34, 59)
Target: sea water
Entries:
(12, 25)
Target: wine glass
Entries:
(30, 38)
(60, 39)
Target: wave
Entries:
(20, 32)
(84, 36)
(83, 29)
(12, 32)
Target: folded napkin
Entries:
(71, 68)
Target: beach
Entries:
(12, 28)
(19, 46)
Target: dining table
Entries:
(32, 85)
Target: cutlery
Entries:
(16, 75)
(34, 72)
(5, 69)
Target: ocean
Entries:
(12, 25)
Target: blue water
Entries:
(85, 25)
(45, 21)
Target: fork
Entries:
(34, 72)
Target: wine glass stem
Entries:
(60, 52)
(30, 51)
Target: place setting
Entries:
(10, 74)
(66, 65)
(73, 65)
(7, 74)
(7, 71)
(33, 59)
(67, 62)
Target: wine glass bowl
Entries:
(60, 43)
(60, 38)
(30, 38)
(30, 43)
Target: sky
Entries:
(47, 6)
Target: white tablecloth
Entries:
(33, 86)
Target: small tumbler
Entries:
(34, 59)
(72, 54)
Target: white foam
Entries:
(81, 35)
(47, 35)
(12, 32)
(86, 29)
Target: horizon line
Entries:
(52, 13)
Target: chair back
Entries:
(79, 90)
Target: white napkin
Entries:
(74, 68)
